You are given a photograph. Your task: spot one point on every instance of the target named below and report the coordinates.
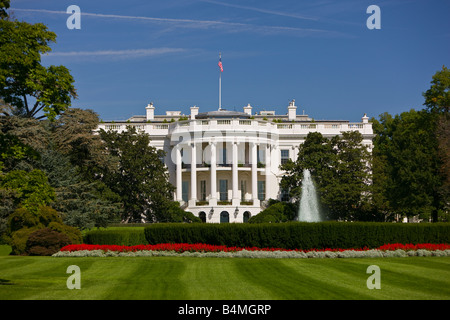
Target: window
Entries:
(247, 216)
(223, 189)
(203, 190)
(261, 190)
(224, 217)
(185, 191)
(284, 196)
(223, 155)
(284, 156)
(202, 216)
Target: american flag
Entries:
(220, 65)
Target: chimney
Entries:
(194, 112)
(292, 111)
(248, 109)
(150, 111)
(365, 119)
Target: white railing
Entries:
(245, 124)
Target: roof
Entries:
(222, 113)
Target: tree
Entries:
(170, 211)
(29, 131)
(381, 175)
(4, 4)
(73, 135)
(83, 204)
(409, 148)
(276, 212)
(13, 151)
(317, 155)
(23, 222)
(437, 100)
(139, 177)
(437, 97)
(31, 189)
(348, 191)
(24, 83)
(340, 167)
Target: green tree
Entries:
(4, 4)
(437, 100)
(139, 176)
(82, 204)
(73, 135)
(12, 151)
(315, 154)
(347, 193)
(409, 148)
(340, 167)
(70, 154)
(276, 212)
(23, 222)
(167, 210)
(31, 189)
(381, 175)
(437, 97)
(24, 83)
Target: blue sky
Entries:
(320, 53)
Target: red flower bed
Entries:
(201, 247)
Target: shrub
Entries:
(24, 221)
(125, 236)
(277, 211)
(22, 218)
(299, 235)
(45, 242)
(73, 233)
(18, 240)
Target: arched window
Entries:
(247, 216)
(224, 217)
(202, 216)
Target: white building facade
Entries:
(225, 165)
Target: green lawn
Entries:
(223, 279)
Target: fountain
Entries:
(309, 210)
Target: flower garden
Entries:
(206, 250)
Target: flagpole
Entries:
(220, 85)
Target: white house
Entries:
(225, 164)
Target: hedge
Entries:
(299, 235)
(124, 237)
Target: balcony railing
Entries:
(246, 124)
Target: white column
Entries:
(235, 196)
(254, 160)
(213, 199)
(179, 196)
(295, 151)
(267, 171)
(193, 198)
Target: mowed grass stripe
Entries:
(216, 279)
(131, 279)
(101, 278)
(415, 278)
(223, 278)
(336, 279)
(30, 277)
